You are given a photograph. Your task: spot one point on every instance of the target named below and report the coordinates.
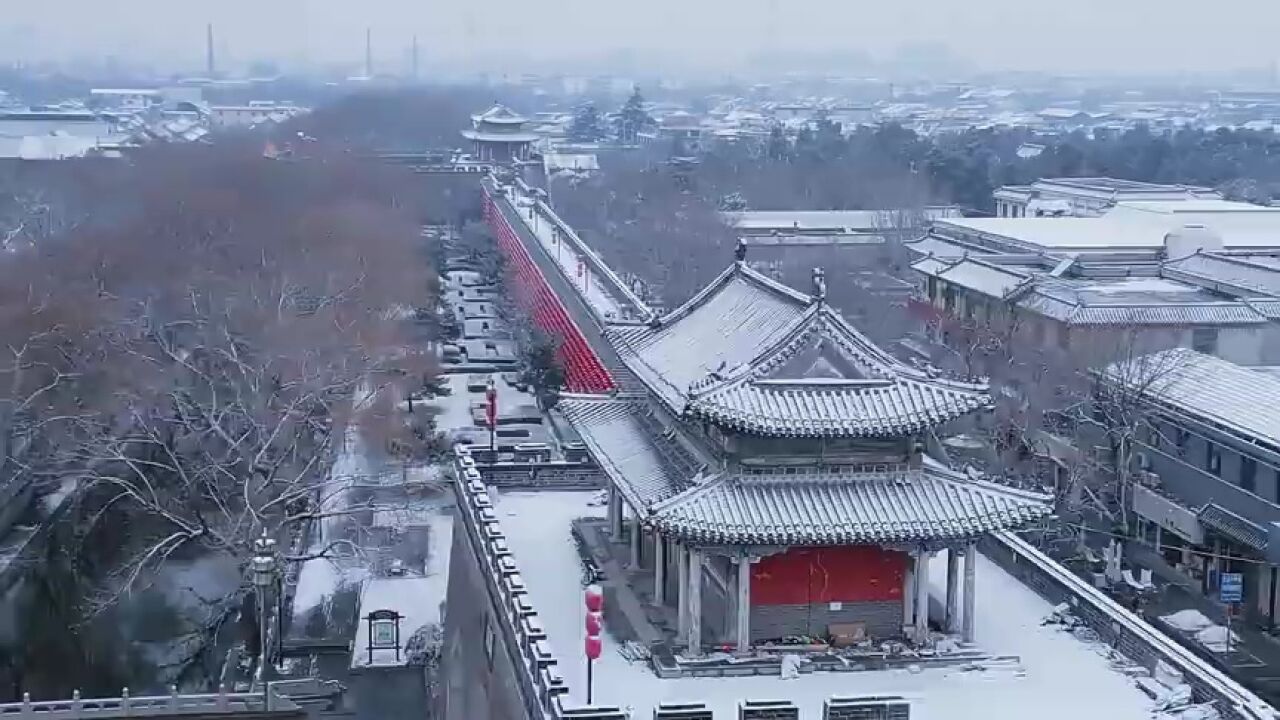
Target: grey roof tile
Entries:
(886, 505)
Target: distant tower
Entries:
(210, 65)
(368, 52)
(414, 58)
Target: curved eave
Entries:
(879, 534)
(783, 426)
(499, 137)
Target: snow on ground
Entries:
(417, 599)
(1061, 678)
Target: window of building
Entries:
(1205, 340)
(1212, 458)
(931, 287)
(1248, 474)
(949, 298)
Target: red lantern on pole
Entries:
(593, 597)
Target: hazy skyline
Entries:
(1094, 36)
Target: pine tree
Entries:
(632, 118)
(586, 124)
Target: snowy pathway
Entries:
(1064, 679)
(577, 270)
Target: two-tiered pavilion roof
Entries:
(759, 359)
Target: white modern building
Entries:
(1086, 197)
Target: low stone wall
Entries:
(1121, 629)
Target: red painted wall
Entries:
(802, 576)
(584, 372)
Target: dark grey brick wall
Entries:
(883, 619)
(474, 685)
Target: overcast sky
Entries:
(1121, 36)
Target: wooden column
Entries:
(636, 538)
(744, 604)
(682, 590)
(693, 638)
(953, 590)
(922, 595)
(909, 592)
(970, 589)
(615, 513)
(659, 569)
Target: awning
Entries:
(1243, 531)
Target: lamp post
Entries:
(264, 568)
(491, 419)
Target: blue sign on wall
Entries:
(1231, 587)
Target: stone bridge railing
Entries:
(173, 704)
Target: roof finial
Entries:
(740, 252)
(819, 284)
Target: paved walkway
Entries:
(1254, 660)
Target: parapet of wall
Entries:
(514, 619)
(1121, 629)
(637, 310)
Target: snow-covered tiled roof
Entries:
(824, 506)
(1238, 399)
(719, 329)
(1260, 274)
(824, 379)
(756, 356)
(628, 443)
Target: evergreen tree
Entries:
(586, 125)
(632, 118)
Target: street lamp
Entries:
(263, 566)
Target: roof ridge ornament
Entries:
(740, 251)
(819, 285)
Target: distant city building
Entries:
(499, 135)
(1084, 197)
(1200, 274)
(1208, 470)
(252, 115)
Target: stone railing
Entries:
(1121, 629)
(219, 703)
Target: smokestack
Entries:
(210, 65)
(415, 57)
(368, 52)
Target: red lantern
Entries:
(491, 405)
(594, 598)
(594, 623)
(592, 648)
